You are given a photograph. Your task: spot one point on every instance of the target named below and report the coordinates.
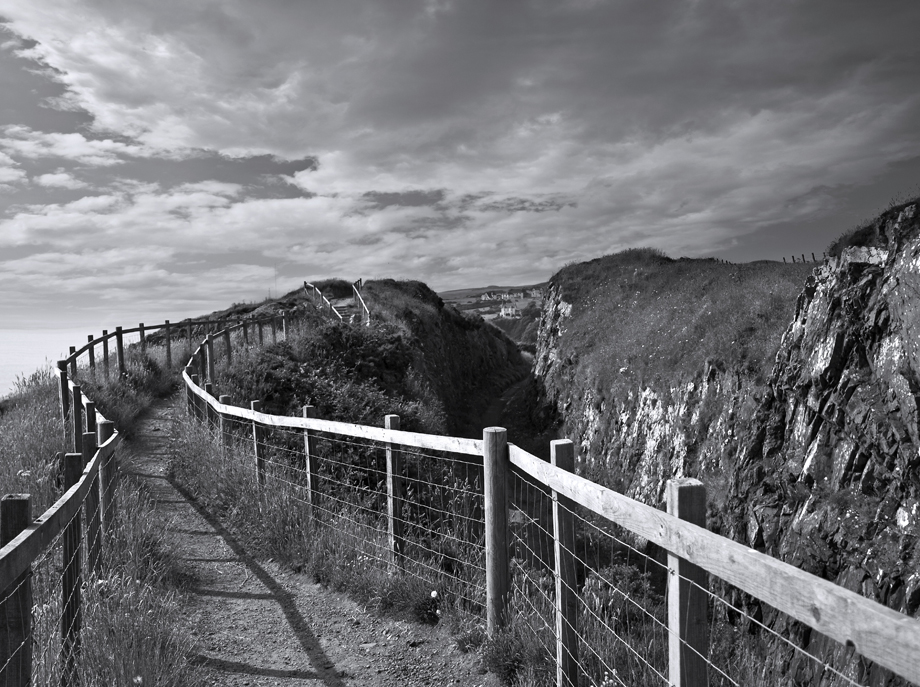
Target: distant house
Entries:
(487, 296)
(510, 311)
(516, 295)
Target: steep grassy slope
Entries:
(652, 364)
(421, 360)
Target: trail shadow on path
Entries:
(324, 668)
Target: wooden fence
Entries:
(86, 509)
(878, 633)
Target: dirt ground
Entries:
(258, 624)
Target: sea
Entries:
(23, 351)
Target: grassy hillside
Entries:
(641, 318)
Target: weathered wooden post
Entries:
(168, 336)
(562, 455)
(203, 363)
(258, 443)
(261, 334)
(188, 337)
(91, 354)
(15, 600)
(90, 410)
(284, 325)
(310, 460)
(209, 354)
(274, 329)
(784, 259)
(394, 499)
(143, 337)
(193, 400)
(803, 258)
(496, 468)
(228, 345)
(64, 392)
(91, 513)
(105, 352)
(813, 259)
(226, 434)
(73, 362)
(210, 413)
(245, 325)
(72, 580)
(120, 350)
(688, 629)
(108, 478)
(76, 405)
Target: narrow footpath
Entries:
(257, 624)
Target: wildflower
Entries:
(434, 594)
(138, 680)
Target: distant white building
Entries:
(510, 311)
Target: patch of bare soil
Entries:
(258, 624)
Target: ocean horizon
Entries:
(23, 351)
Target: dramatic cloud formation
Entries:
(457, 142)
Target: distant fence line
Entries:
(533, 509)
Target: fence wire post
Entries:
(77, 414)
(143, 337)
(210, 413)
(73, 361)
(261, 333)
(120, 349)
(64, 391)
(394, 498)
(16, 607)
(258, 442)
(105, 352)
(90, 409)
(91, 353)
(563, 457)
(310, 458)
(228, 345)
(91, 515)
(108, 478)
(209, 354)
(168, 336)
(72, 580)
(496, 467)
(284, 325)
(688, 629)
(193, 400)
(226, 436)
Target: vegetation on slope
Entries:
(642, 318)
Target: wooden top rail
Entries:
(887, 637)
(327, 301)
(18, 555)
(431, 442)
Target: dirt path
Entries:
(260, 625)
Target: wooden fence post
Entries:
(72, 580)
(16, 604)
(91, 514)
(688, 629)
(284, 325)
(228, 345)
(105, 352)
(209, 354)
(245, 326)
(91, 353)
(209, 409)
(226, 435)
(168, 336)
(310, 460)
(64, 392)
(143, 337)
(261, 334)
(90, 409)
(73, 362)
(258, 443)
(193, 400)
(496, 468)
(274, 329)
(120, 349)
(563, 456)
(108, 478)
(188, 336)
(394, 498)
(76, 405)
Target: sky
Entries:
(164, 158)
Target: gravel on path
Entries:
(259, 624)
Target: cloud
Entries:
(59, 179)
(10, 171)
(23, 142)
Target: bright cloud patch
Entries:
(59, 179)
(23, 142)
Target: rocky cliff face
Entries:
(818, 465)
(828, 476)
